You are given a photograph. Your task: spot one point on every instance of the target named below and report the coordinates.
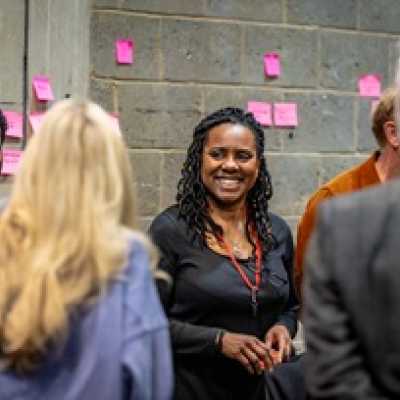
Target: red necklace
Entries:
(253, 287)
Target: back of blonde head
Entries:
(63, 234)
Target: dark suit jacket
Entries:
(352, 298)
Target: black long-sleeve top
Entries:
(207, 295)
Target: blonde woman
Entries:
(79, 315)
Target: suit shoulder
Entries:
(363, 211)
(375, 196)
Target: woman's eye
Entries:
(244, 155)
(217, 154)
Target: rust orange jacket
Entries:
(351, 180)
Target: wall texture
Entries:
(11, 63)
(57, 46)
(194, 56)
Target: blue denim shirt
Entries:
(119, 349)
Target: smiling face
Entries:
(229, 163)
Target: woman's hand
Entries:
(279, 344)
(248, 350)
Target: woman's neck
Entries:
(229, 215)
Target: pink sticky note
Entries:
(124, 49)
(285, 114)
(11, 159)
(272, 64)
(42, 87)
(115, 121)
(369, 85)
(36, 118)
(262, 112)
(14, 122)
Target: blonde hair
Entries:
(63, 234)
(384, 112)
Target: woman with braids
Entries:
(80, 318)
(231, 304)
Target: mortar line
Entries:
(239, 21)
(223, 85)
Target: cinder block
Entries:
(158, 115)
(382, 16)
(329, 167)
(394, 61)
(170, 175)
(298, 51)
(337, 13)
(190, 7)
(5, 189)
(101, 92)
(293, 179)
(344, 57)
(106, 28)
(258, 10)
(12, 32)
(146, 169)
(216, 98)
(366, 139)
(325, 124)
(201, 51)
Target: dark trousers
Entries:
(286, 381)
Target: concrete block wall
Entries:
(11, 63)
(58, 46)
(194, 56)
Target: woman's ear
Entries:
(389, 127)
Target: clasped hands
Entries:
(255, 355)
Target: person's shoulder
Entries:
(375, 198)
(348, 180)
(166, 220)
(279, 226)
(140, 299)
(139, 253)
(345, 182)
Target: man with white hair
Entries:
(352, 296)
(380, 167)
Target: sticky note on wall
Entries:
(262, 112)
(42, 88)
(11, 160)
(369, 85)
(272, 65)
(285, 115)
(14, 122)
(124, 51)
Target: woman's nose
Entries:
(230, 164)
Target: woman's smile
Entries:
(229, 183)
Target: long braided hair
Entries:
(192, 195)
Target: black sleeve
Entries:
(334, 364)
(289, 316)
(186, 338)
